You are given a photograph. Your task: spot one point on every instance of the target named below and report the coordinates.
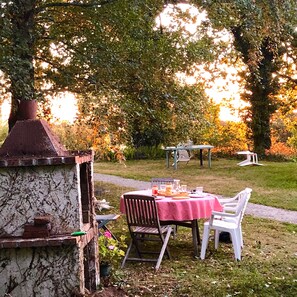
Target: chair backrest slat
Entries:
(243, 199)
(157, 181)
(141, 211)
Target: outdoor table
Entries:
(175, 149)
(182, 212)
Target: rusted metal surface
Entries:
(32, 143)
(32, 138)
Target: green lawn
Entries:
(269, 256)
(274, 184)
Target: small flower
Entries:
(107, 234)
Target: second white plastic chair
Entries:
(230, 205)
(227, 222)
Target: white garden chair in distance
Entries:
(183, 156)
(227, 222)
(251, 158)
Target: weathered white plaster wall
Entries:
(26, 192)
(41, 272)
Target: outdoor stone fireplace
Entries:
(46, 194)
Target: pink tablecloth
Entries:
(183, 209)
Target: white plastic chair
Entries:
(251, 158)
(227, 222)
(230, 205)
(183, 156)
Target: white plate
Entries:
(200, 195)
(180, 197)
(159, 197)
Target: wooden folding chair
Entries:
(144, 225)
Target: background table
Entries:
(182, 212)
(175, 149)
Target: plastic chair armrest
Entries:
(227, 208)
(230, 204)
(227, 200)
(222, 214)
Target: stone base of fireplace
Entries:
(47, 266)
(46, 194)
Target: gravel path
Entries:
(256, 210)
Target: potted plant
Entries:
(110, 252)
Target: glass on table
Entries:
(155, 190)
(199, 190)
(176, 185)
(168, 190)
(162, 187)
(183, 189)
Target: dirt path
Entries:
(256, 210)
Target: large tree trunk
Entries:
(21, 70)
(261, 87)
(260, 122)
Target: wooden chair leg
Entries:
(164, 248)
(127, 254)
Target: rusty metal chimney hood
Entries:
(32, 138)
(32, 142)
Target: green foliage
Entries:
(263, 33)
(284, 136)
(81, 136)
(3, 132)
(110, 249)
(282, 125)
(73, 137)
(230, 137)
(144, 152)
(137, 72)
(226, 137)
(124, 64)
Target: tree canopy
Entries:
(122, 61)
(110, 53)
(264, 35)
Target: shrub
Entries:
(80, 136)
(111, 250)
(144, 152)
(280, 151)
